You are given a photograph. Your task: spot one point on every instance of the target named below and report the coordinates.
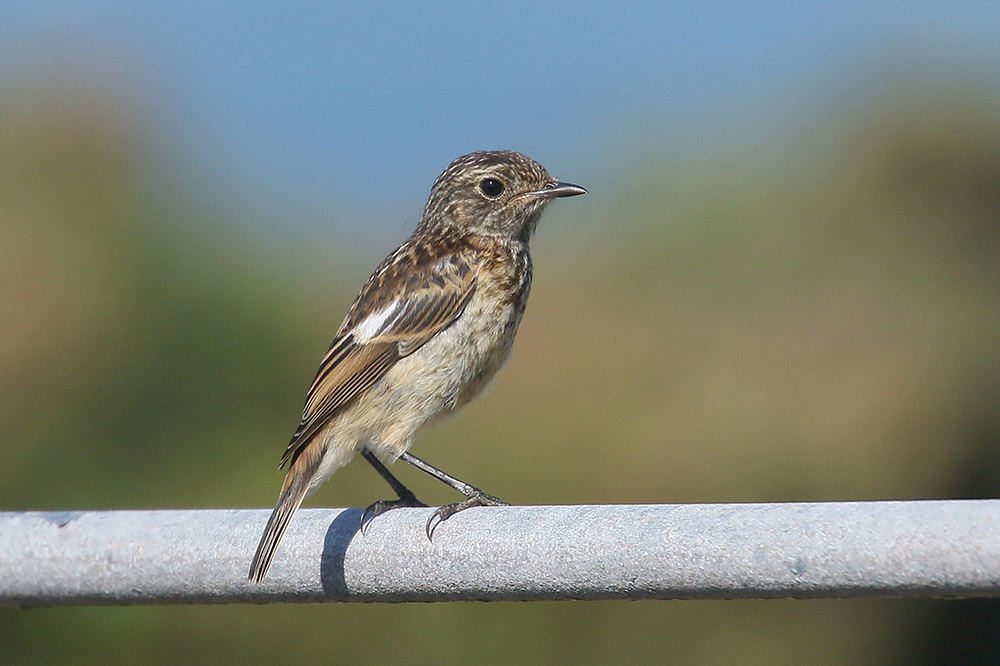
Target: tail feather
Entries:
(293, 491)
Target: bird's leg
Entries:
(473, 496)
(406, 496)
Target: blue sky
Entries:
(362, 104)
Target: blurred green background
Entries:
(807, 315)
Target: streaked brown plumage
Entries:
(427, 332)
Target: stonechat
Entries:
(427, 332)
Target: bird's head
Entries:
(495, 193)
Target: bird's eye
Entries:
(491, 188)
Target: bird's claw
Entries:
(445, 512)
(376, 509)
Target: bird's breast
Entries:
(449, 370)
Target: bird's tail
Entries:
(293, 491)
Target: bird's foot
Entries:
(407, 499)
(479, 498)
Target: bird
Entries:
(427, 332)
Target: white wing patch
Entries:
(374, 324)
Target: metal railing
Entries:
(706, 551)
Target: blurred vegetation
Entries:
(817, 320)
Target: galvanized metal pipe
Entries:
(705, 551)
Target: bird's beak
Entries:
(556, 188)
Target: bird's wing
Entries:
(410, 298)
